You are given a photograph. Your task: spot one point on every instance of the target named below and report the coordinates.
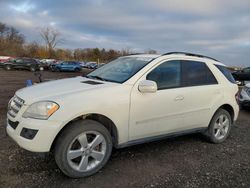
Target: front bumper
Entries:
(45, 135)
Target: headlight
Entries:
(41, 110)
(10, 102)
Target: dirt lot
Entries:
(187, 161)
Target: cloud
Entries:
(23, 7)
(217, 28)
(43, 13)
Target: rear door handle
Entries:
(179, 98)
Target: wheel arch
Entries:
(228, 108)
(104, 120)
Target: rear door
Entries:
(201, 92)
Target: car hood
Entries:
(52, 89)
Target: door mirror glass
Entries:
(147, 86)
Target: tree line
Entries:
(13, 43)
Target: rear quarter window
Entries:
(227, 73)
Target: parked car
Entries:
(83, 64)
(245, 96)
(52, 66)
(100, 65)
(242, 75)
(4, 59)
(131, 100)
(93, 65)
(68, 66)
(23, 63)
(48, 63)
(90, 65)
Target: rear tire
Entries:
(219, 127)
(83, 148)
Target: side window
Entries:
(166, 75)
(196, 73)
(226, 73)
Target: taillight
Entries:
(237, 96)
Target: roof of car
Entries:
(182, 54)
(144, 55)
(198, 57)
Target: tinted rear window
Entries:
(226, 73)
(196, 73)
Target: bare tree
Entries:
(11, 41)
(150, 51)
(126, 51)
(51, 38)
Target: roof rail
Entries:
(135, 53)
(190, 54)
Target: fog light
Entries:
(28, 133)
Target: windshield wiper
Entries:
(96, 77)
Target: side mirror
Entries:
(147, 86)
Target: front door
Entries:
(159, 113)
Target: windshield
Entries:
(120, 69)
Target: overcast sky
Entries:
(218, 28)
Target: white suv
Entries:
(131, 100)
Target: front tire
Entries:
(83, 148)
(219, 127)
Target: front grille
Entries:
(15, 105)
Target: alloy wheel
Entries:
(86, 151)
(221, 127)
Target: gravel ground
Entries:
(187, 161)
